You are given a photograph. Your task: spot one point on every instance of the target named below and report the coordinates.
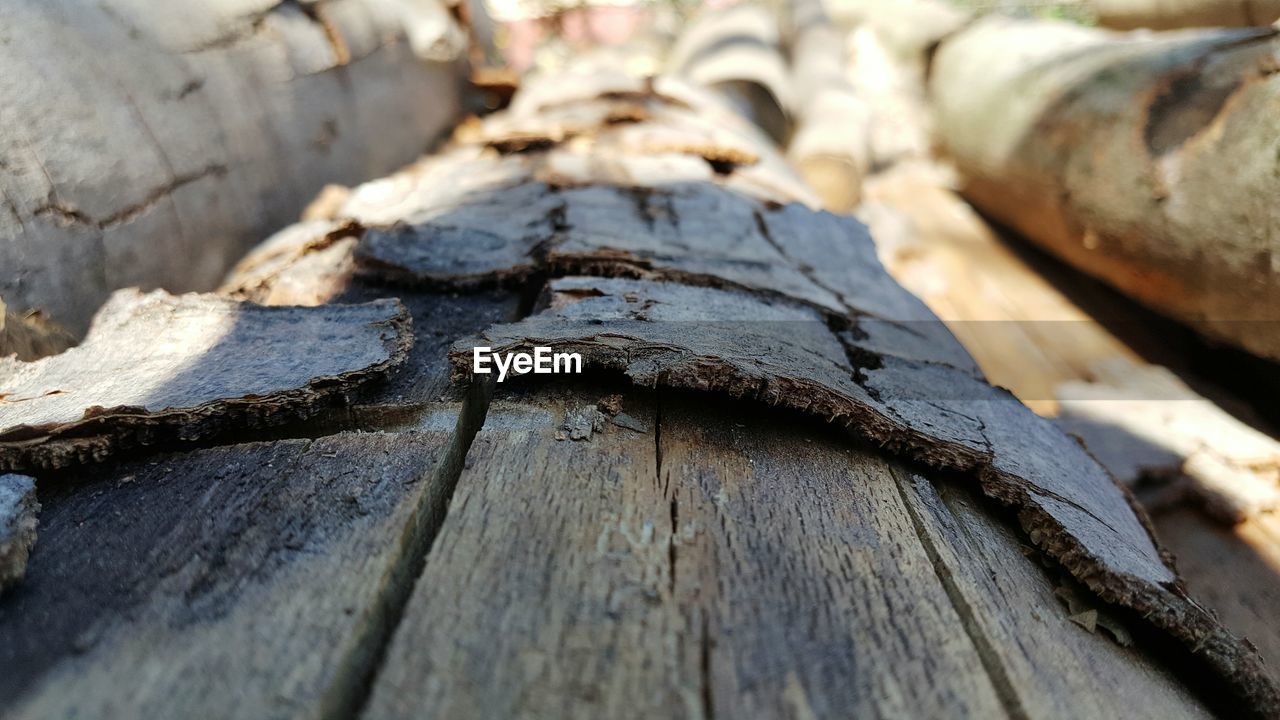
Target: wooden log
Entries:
(1172, 14)
(727, 565)
(1146, 161)
(735, 50)
(114, 177)
(247, 580)
(272, 571)
(765, 525)
(831, 144)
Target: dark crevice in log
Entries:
(348, 698)
(995, 669)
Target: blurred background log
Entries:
(152, 143)
(735, 51)
(1149, 161)
(830, 147)
(1170, 14)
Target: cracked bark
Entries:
(794, 311)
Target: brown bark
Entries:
(1171, 14)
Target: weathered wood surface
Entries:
(240, 581)
(727, 565)
(113, 177)
(158, 367)
(1145, 160)
(252, 580)
(1008, 599)
(1171, 14)
(597, 228)
(795, 575)
(18, 509)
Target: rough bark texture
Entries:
(157, 367)
(112, 177)
(1147, 161)
(18, 508)
(1171, 14)
(615, 552)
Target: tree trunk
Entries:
(1172, 14)
(695, 527)
(152, 143)
(1147, 161)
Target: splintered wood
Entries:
(160, 367)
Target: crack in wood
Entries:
(995, 668)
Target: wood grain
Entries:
(242, 581)
(705, 567)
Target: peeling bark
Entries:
(677, 336)
(716, 284)
(158, 368)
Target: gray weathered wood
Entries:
(1047, 666)
(114, 177)
(783, 354)
(722, 569)
(730, 566)
(242, 581)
